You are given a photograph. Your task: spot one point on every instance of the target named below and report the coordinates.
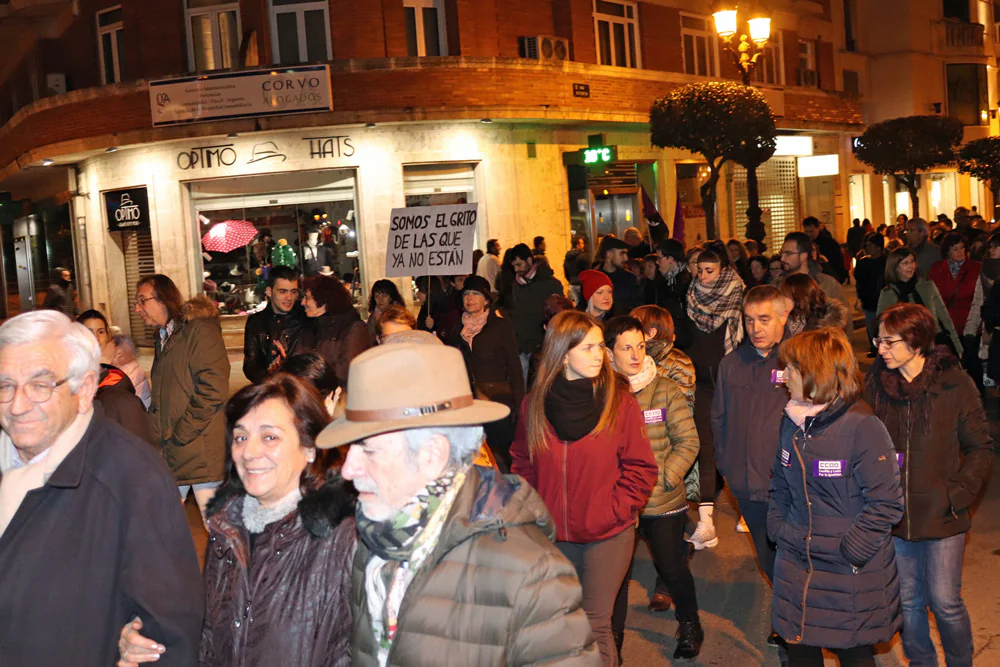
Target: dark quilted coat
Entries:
(287, 601)
(835, 579)
(494, 591)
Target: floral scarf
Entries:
(718, 304)
(399, 547)
(473, 324)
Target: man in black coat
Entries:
(746, 413)
(669, 289)
(116, 394)
(275, 332)
(91, 533)
(828, 247)
(535, 283)
(869, 278)
(627, 293)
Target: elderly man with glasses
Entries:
(91, 533)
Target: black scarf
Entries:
(573, 407)
(908, 291)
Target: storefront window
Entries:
(312, 215)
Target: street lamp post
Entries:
(746, 53)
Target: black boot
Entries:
(619, 640)
(689, 639)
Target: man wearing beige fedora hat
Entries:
(456, 563)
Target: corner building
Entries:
(433, 102)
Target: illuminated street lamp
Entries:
(746, 53)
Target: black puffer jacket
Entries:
(942, 440)
(528, 303)
(835, 497)
(286, 601)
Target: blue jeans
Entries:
(930, 575)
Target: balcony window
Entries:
(956, 9)
(968, 99)
(301, 30)
(617, 28)
(701, 45)
(770, 66)
(213, 34)
(426, 29)
(110, 30)
(808, 77)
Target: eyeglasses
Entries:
(888, 343)
(140, 302)
(36, 391)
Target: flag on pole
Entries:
(657, 226)
(679, 220)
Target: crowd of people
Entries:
(467, 484)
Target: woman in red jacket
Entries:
(581, 443)
(955, 277)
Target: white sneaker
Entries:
(742, 527)
(704, 536)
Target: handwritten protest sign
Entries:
(431, 240)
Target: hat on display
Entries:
(236, 271)
(325, 271)
(611, 243)
(478, 284)
(433, 390)
(591, 281)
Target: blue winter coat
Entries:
(835, 496)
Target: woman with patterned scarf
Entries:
(713, 305)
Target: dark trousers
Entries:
(710, 485)
(812, 656)
(601, 566)
(755, 514)
(665, 537)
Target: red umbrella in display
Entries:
(228, 236)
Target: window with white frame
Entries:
(110, 49)
(770, 65)
(426, 28)
(616, 25)
(301, 30)
(700, 45)
(213, 28)
(808, 77)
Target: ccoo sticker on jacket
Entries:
(655, 416)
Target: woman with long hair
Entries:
(581, 442)
(383, 295)
(340, 334)
(935, 417)
(834, 499)
(714, 303)
(904, 284)
(810, 307)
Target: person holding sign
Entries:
(935, 417)
(581, 442)
(834, 499)
(672, 433)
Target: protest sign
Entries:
(431, 240)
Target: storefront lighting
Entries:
(47, 162)
(111, 149)
(232, 135)
(984, 115)
(486, 121)
(793, 146)
(819, 165)
(351, 234)
(371, 126)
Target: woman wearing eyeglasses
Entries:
(935, 418)
(904, 284)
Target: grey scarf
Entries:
(256, 517)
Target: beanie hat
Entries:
(591, 281)
(478, 284)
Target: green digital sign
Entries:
(599, 155)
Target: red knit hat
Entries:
(591, 281)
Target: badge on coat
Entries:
(777, 377)
(829, 468)
(655, 416)
(899, 459)
(786, 458)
